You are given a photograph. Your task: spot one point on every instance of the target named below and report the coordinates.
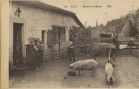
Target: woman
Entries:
(38, 54)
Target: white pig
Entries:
(87, 64)
(109, 70)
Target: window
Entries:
(60, 33)
(51, 37)
(56, 35)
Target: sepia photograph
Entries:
(70, 43)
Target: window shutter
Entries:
(51, 37)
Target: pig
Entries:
(109, 71)
(87, 64)
(101, 49)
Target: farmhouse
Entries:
(36, 19)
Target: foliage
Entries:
(116, 25)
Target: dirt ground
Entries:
(53, 74)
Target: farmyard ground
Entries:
(53, 74)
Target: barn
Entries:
(37, 19)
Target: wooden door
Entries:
(17, 43)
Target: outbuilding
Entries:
(36, 19)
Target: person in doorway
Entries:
(71, 51)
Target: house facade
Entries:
(42, 21)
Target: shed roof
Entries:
(39, 4)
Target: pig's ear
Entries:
(71, 65)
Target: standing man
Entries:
(71, 51)
(116, 43)
(131, 44)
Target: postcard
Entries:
(69, 44)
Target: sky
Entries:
(91, 11)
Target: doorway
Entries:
(17, 43)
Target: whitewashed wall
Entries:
(36, 20)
